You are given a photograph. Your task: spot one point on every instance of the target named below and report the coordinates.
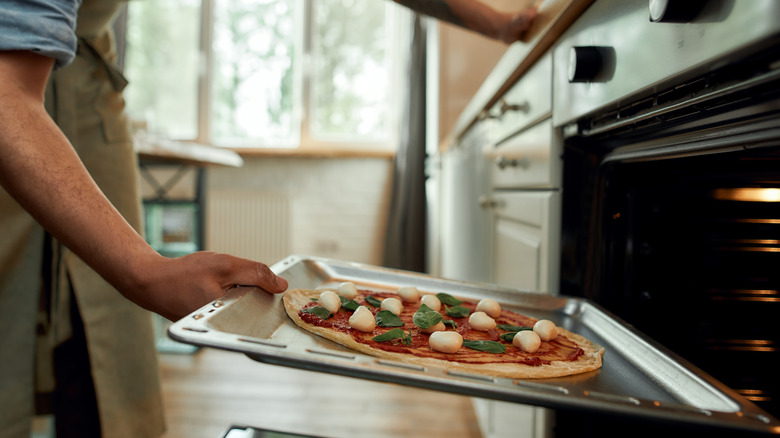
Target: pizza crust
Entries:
(296, 299)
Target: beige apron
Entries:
(84, 99)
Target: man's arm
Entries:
(476, 16)
(42, 171)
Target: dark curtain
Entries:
(405, 237)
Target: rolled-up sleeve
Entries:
(46, 27)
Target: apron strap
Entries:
(118, 81)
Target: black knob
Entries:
(585, 63)
(671, 11)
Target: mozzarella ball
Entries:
(546, 329)
(431, 301)
(489, 306)
(481, 321)
(392, 304)
(438, 327)
(348, 290)
(330, 301)
(527, 341)
(362, 320)
(409, 294)
(446, 342)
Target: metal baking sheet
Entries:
(639, 377)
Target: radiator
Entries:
(248, 224)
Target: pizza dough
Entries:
(590, 359)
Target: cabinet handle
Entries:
(486, 202)
(503, 162)
(504, 108)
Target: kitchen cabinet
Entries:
(500, 206)
(525, 240)
(525, 205)
(465, 228)
(523, 194)
(528, 160)
(525, 103)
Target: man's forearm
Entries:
(41, 170)
(439, 9)
(476, 16)
(469, 14)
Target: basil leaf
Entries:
(448, 299)
(386, 318)
(449, 322)
(390, 335)
(513, 328)
(457, 311)
(425, 317)
(349, 304)
(373, 301)
(408, 338)
(319, 311)
(486, 346)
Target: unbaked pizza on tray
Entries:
(438, 329)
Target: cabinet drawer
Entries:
(529, 100)
(529, 159)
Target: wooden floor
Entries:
(206, 392)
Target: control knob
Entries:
(671, 11)
(585, 63)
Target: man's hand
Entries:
(515, 25)
(176, 287)
(477, 16)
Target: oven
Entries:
(670, 114)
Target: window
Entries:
(267, 73)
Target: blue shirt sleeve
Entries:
(46, 27)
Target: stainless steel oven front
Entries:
(670, 113)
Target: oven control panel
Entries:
(619, 49)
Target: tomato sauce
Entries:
(560, 349)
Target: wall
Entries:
(337, 205)
(465, 59)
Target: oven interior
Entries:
(691, 250)
(673, 223)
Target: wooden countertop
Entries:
(554, 17)
(151, 150)
(170, 151)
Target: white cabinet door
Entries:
(518, 249)
(512, 420)
(465, 228)
(525, 239)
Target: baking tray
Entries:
(639, 377)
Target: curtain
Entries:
(405, 236)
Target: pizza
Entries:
(438, 329)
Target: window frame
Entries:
(397, 20)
